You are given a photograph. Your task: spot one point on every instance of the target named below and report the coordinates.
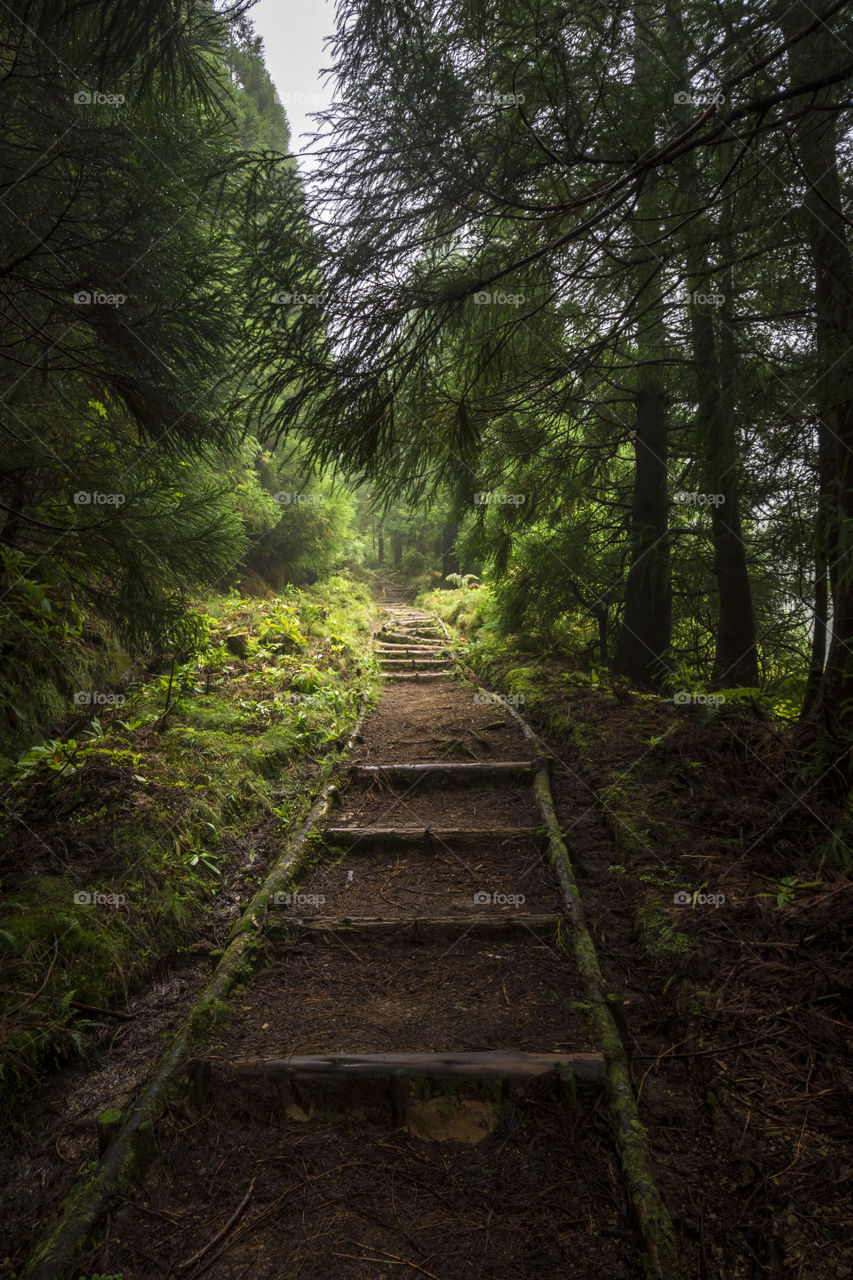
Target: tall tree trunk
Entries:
(815, 145)
(397, 548)
(715, 368)
(449, 562)
(645, 633)
(380, 539)
(821, 580)
(736, 657)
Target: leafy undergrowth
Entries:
(719, 893)
(119, 837)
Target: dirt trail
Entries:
(430, 925)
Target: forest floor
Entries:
(735, 1014)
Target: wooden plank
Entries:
(426, 928)
(403, 650)
(403, 637)
(507, 1064)
(429, 835)
(446, 771)
(417, 675)
(425, 662)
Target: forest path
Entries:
(412, 1085)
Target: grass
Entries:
(154, 807)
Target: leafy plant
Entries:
(788, 888)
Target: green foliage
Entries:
(153, 814)
(788, 888)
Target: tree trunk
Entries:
(397, 548)
(821, 580)
(600, 613)
(380, 539)
(449, 563)
(815, 141)
(715, 367)
(646, 620)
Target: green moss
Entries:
(657, 936)
(180, 795)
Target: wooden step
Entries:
(405, 637)
(491, 1064)
(423, 928)
(411, 629)
(446, 771)
(405, 650)
(418, 675)
(428, 837)
(436, 1097)
(425, 662)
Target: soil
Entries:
(363, 1201)
(437, 884)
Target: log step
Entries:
(417, 675)
(427, 837)
(405, 650)
(396, 638)
(502, 1064)
(446, 771)
(425, 662)
(424, 928)
(405, 637)
(436, 1097)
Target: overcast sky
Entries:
(293, 49)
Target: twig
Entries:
(182, 1266)
(93, 1008)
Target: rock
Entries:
(238, 643)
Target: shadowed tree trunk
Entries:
(829, 727)
(646, 620)
(821, 580)
(715, 368)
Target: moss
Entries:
(176, 797)
(656, 934)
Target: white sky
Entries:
(293, 50)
